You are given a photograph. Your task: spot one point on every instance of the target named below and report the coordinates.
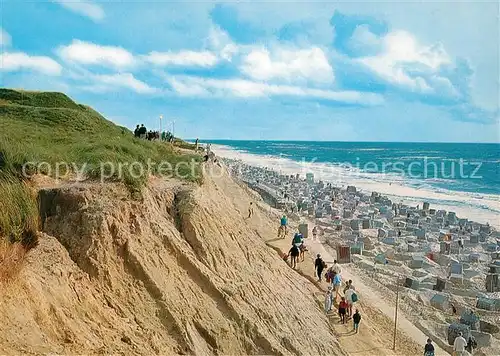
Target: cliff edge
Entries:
(181, 271)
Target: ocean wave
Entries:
(372, 149)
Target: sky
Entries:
(336, 71)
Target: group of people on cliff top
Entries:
(143, 133)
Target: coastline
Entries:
(481, 208)
(416, 255)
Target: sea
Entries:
(459, 177)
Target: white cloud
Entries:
(197, 86)
(363, 41)
(93, 54)
(401, 55)
(22, 61)
(221, 43)
(109, 82)
(288, 65)
(182, 58)
(85, 8)
(5, 39)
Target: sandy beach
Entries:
(393, 246)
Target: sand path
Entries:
(376, 330)
(373, 297)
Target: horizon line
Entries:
(336, 141)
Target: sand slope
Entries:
(181, 272)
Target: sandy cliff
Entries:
(180, 272)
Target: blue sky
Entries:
(360, 71)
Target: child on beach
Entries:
(343, 310)
(356, 319)
(429, 348)
(328, 300)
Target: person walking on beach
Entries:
(337, 281)
(328, 300)
(429, 348)
(196, 145)
(336, 267)
(459, 345)
(294, 253)
(351, 297)
(250, 210)
(319, 265)
(283, 226)
(298, 239)
(471, 344)
(349, 285)
(356, 319)
(343, 310)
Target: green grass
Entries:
(35, 129)
(50, 127)
(18, 212)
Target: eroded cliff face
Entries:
(181, 272)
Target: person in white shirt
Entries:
(348, 297)
(336, 268)
(459, 345)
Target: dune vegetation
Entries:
(48, 133)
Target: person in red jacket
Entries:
(343, 310)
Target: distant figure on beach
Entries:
(142, 131)
(250, 210)
(343, 310)
(328, 300)
(429, 348)
(356, 319)
(294, 253)
(459, 345)
(349, 285)
(337, 282)
(196, 145)
(303, 250)
(283, 227)
(319, 265)
(336, 267)
(471, 344)
(297, 239)
(351, 297)
(136, 131)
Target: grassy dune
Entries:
(51, 128)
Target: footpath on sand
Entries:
(375, 335)
(377, 324)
